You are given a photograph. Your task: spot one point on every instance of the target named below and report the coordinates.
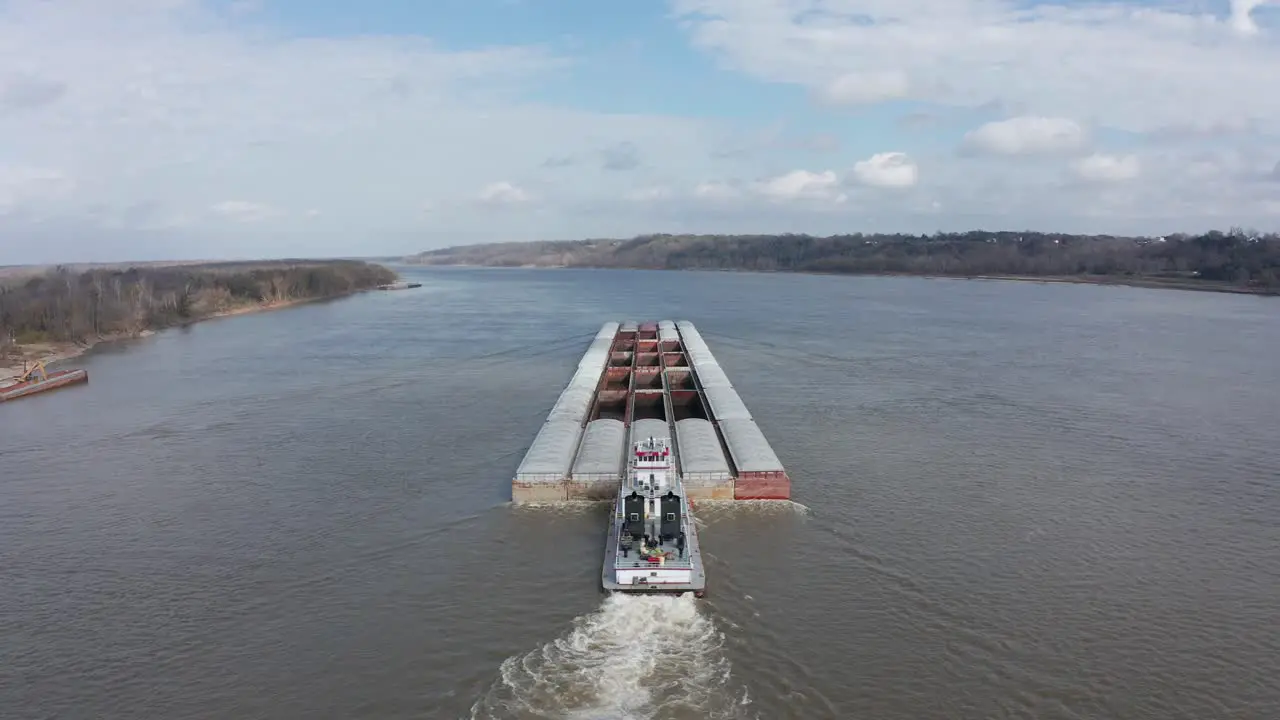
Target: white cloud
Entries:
(169, 106)
(649, 194)
(196, 118)
(809, 189)
(1242, 14)
(814, 188)
(19, 91)
(1116, 63)
(887, 170)
(245, 7)
(859, 88)
(1107, 168)
(504, 193)
(803, 185)
(1161, 94)
(28, 187)
(243, 211)
(1027, 135)
(712, 190)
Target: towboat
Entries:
(652, 545)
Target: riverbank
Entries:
(56, 316)
(1154, 283)
(55, 352)
(1151, 283)
(1136, 282)
(1236, 261)
(51, 353)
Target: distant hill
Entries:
(1232, 261)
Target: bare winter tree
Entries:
(65, 306)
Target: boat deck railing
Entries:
(633, 561)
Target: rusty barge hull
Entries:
(55, 380)
(650, 379)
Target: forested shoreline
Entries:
(81, 307)
(1234, 260)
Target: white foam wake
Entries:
(635, 658)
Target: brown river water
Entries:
(1012, 500)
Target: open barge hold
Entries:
(643, 380)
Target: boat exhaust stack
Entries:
(633, 522)
(671, 516)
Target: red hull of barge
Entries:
(56, 379)
(762, 486)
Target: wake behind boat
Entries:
(652, 544)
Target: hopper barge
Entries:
(642, 380)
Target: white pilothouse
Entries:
(653, 545)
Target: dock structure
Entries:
(649, 379)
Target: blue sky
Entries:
(220, 128)
(628, 57)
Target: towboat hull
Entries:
(652, 546)
(697, 583)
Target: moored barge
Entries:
(38, 379)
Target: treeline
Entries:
(1243, 260)
(62, 305)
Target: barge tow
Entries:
(649, 423)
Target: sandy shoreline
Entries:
(55, 352)
(58, 352)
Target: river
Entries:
(1012, 500)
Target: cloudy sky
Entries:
(137, 129)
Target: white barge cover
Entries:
(698, 449)
(726, 404)
(647, 428)
(607, 331)
(712, 376)
(551, 455)
(573, 404)
(600, 455)
(750, 450)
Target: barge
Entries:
(38, 379)
(642, 380)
